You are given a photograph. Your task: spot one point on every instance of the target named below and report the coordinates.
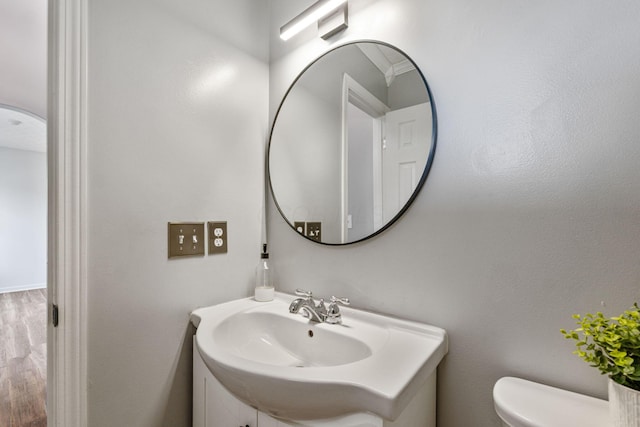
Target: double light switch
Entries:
(187, 239)
(311, 229)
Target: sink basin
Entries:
(278, 340)
(291, 368)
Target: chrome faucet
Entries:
(317, 312)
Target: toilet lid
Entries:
(524, 403)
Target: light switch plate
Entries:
(186, 239)
(314, 231)
(217, 237)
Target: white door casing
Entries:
(356, 94)
(67, 213)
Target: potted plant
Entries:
(612, 344)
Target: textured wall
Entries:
(177, 123)
(531, 210)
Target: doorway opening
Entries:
(23, 268)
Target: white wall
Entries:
(530, 212)
(23, 219)
(177, 124)
(304, 170)
(23, 55)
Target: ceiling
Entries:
(21, 130)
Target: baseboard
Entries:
(19, 288)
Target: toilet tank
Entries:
(522, 403)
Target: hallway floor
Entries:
(23, 358)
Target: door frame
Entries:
(67, 213)
(356, 94)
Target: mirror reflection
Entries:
(352, 143)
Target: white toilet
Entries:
(522, 403)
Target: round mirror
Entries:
(352, 143)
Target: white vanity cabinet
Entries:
(214, 406)
(353, 420)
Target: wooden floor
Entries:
(23, 359)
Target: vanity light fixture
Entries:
(331, 16)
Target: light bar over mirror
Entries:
(331, 16)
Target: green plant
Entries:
(610, 344)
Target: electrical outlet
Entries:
(300, 227)
(314, 231)
(186, 239)
(217, 237)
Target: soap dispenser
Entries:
(264, 278)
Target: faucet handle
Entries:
(343, 301)
(303, 293)
(333, 312)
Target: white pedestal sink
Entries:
(284, 365)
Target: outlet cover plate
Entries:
(186, 239)
(300, 227)
(217, 237)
